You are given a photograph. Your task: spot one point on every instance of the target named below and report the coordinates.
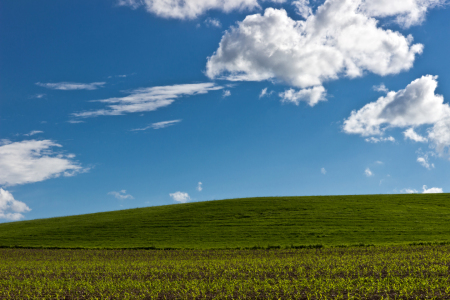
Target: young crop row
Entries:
(401, 272)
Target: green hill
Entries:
(277, 221)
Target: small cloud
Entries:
(33, 132)
(368, 173)
(265, 93)
(423, 160)
(433, 190)
(379, 162)
(10, 208)
(412, 135)
(226, 93)
(323, 171)
(375, 140)
(311, 95)
(199, 186)
(380, 88)
(180, 197)
(409, 191)
(158, 125)
(211, 22)
(75, 121)
(38, 96)
(68, 86)
(302, 7)
(122, 195)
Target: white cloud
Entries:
(33, 132)
(379, 139)
(323, 171)
(188, 9)
(263, 93)
(416, 105)
(412, 135)
(413, 106)
(339, 40)
(423, 160)
(433, 190)
(68, 86)
(33, 161)
(122, 195)
(226, 93)
(159, 125)
(180, 197)
(302, 8)
(409, 191)
(439, 135)
(312, 95)
(199, 186)
(380, 88)
(368, 173)
(211, 22)
(379, 162)
(148, 99)
(39, 96)
(10, 208)
(406, 12)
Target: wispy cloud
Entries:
(33, 133)
(159, 125)
(412, 135)
(199, 186)
(38, 96)
(33, 161)
(211, 22)
(226, 93)
(409, 191)
(265, 93)
(375, 140)
(10, 208)
(122, 195)
(368, 172)
(380, 88)
(68, 86)
(180, 197)
(148, 99)
(323, 171)
(188, 9)
(423, 160)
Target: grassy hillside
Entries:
(278, 221)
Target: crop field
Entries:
(383, 272)
(246, 223)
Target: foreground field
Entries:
(241, 223)
(395, 272)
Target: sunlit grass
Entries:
(246, 223)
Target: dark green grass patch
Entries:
(384, 272)
(245, 223)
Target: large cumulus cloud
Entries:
(338, 40)
(414, 106)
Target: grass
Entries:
(385, 272)
(246, 223)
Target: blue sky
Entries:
(108, 104)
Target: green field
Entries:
(384, 272)
(246, 223)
